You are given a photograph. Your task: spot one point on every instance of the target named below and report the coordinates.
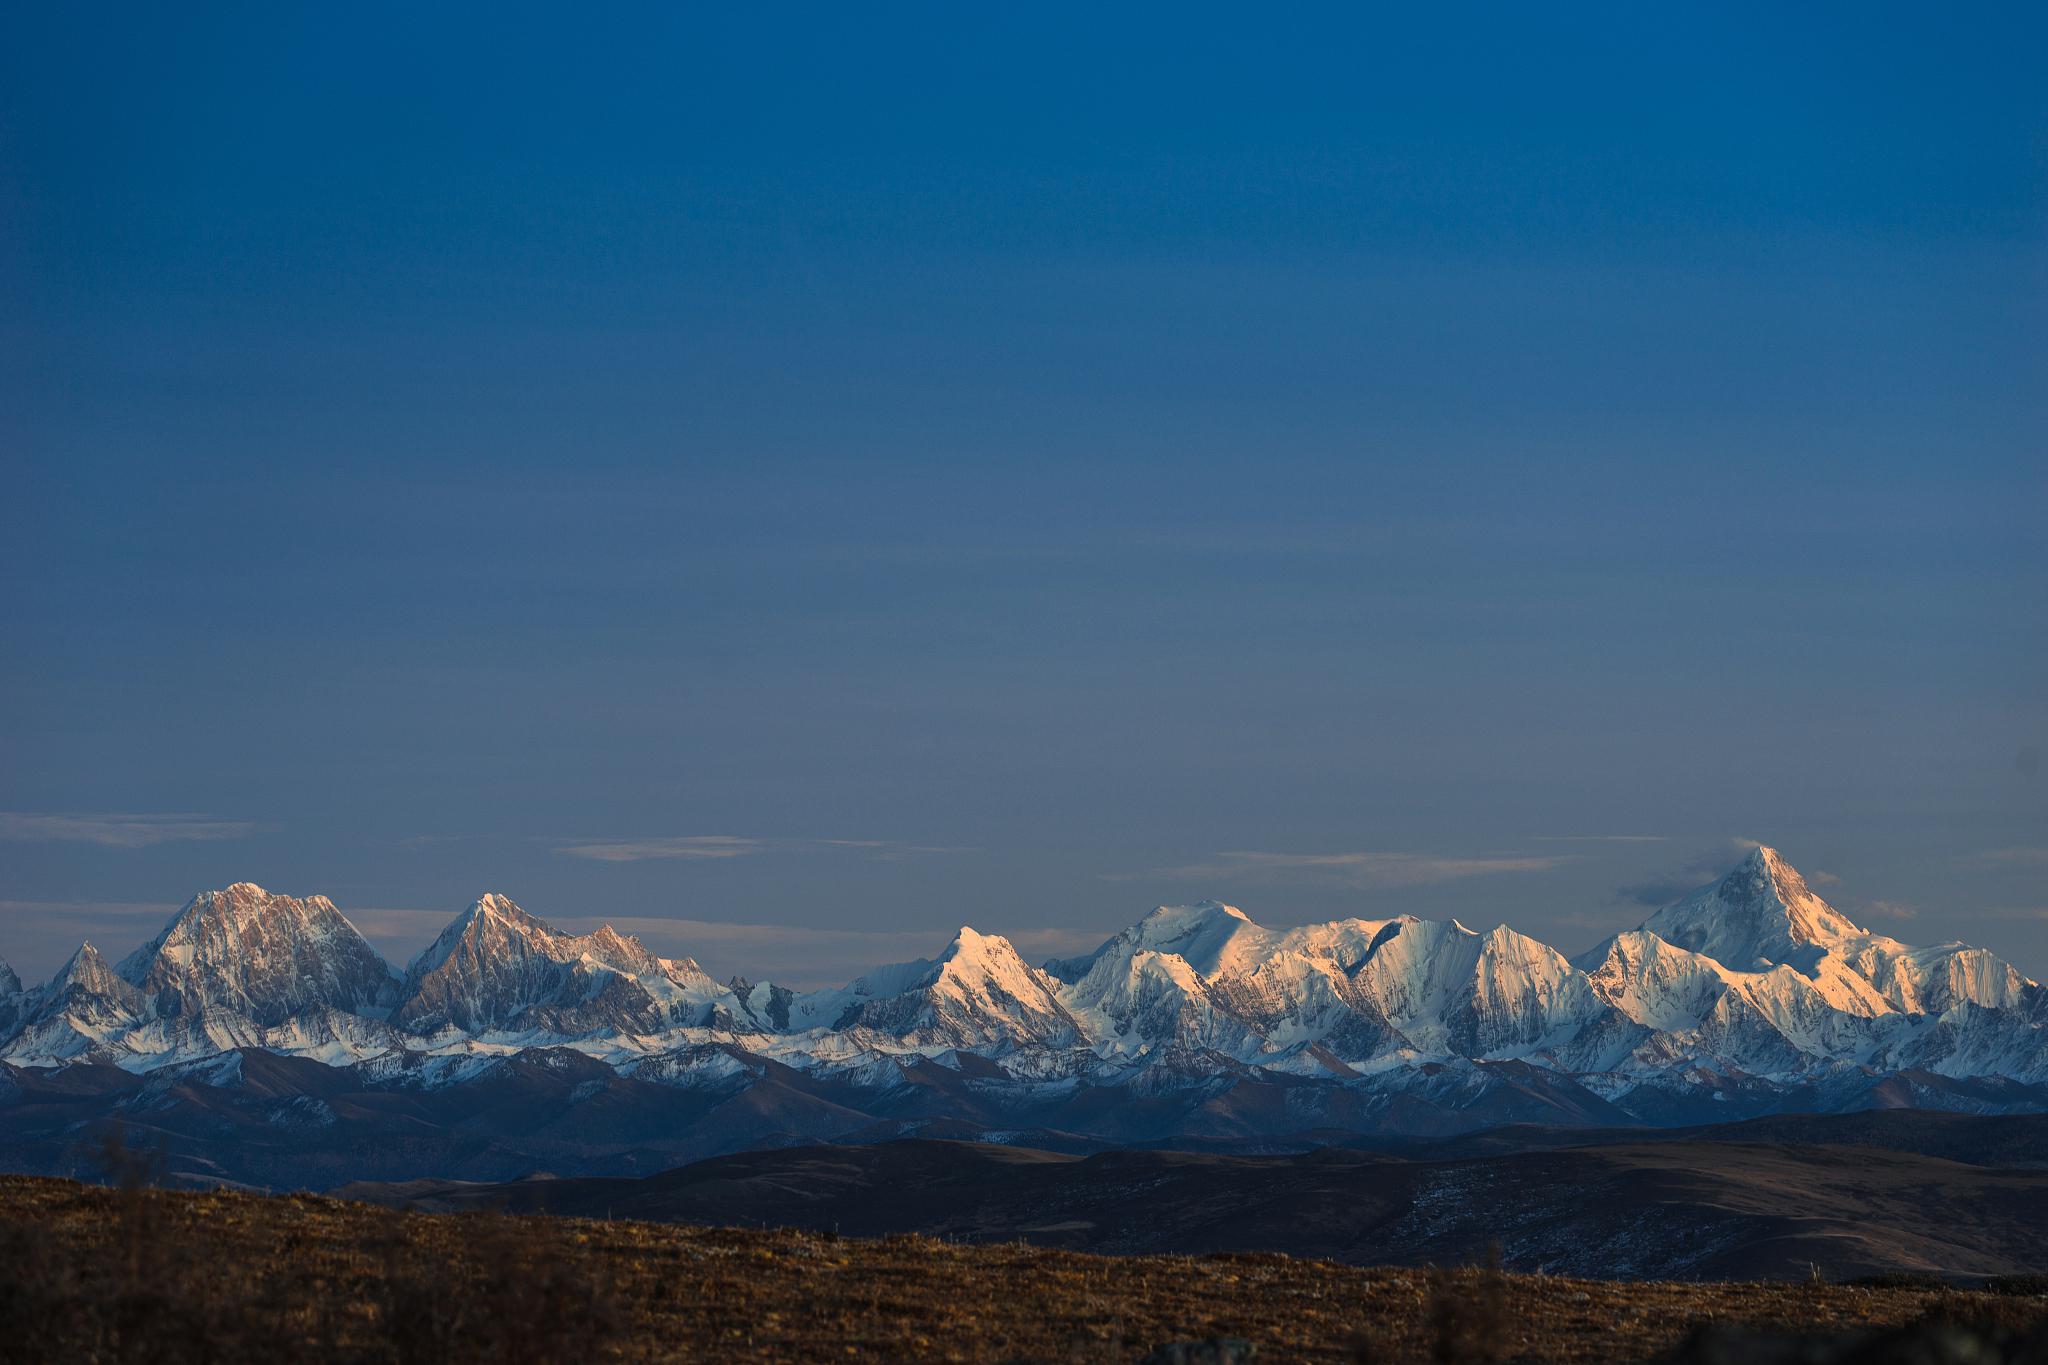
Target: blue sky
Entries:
(800, 482)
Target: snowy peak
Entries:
(1201, 912)
(986, 970)
(492, 963)
(489, 915)
(86, 998)
(978, 992)
(1753, 976)
(621, 951)
(1655, 983)
(1810, 919)
(494, 925)
(498, 968)
(88, 971)
(263, 956)
(1787, 954)
(1209, 936)
(1206, 977)
(1760, 915)
(85, 1011)
(1445, 986)
(10, 984)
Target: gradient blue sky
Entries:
(801, 481)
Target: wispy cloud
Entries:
(1657, 892)
(884, 850)
(1710, 864)
(2009, 857)
(116, 830)
(722, 846)
(152, 913)
(637, 850)
(1362, 869)
(1892, 910)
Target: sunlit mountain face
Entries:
(1750, 996)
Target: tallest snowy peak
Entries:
(1760, 915)
(1767, 861)
(1766, 877)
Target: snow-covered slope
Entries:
(1205, 977)
(1656, 983)
(85, 1012)
(978, 993)
(1759, 915)
(1757, 973)
(498, 969)
(1453, 991)
(1749, 994)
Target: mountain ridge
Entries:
(1751, 995)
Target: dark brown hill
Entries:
(1655, 1210)
(232, 1279)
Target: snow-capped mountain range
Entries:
(1752, 993)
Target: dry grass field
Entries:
(137, 1274)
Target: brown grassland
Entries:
(139, 1274)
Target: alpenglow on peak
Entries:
(1748, 994)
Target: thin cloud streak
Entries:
(1890, 910)
(1657, 892)
(1706, 867)
(2009, 857)
(639, 850)
(883, 850)
(721, 846)
(1362, 869)
(118, 830)
(2017, 912)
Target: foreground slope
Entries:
(1680, 1209)
(230, 1278)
